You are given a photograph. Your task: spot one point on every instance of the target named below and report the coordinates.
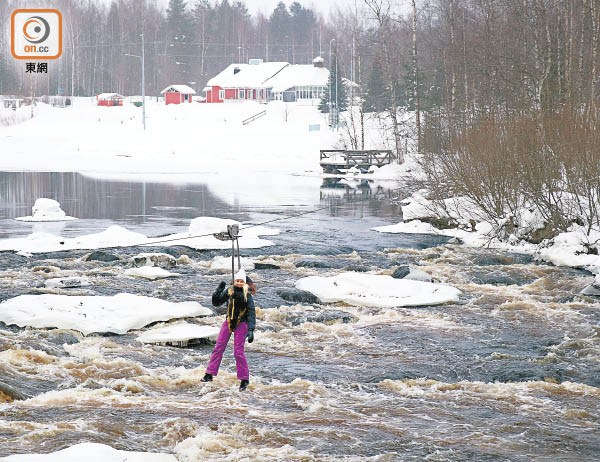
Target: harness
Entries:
(235, 312)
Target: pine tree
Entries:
(335, 83)
(279, 31)
(179, 22)
(376, 93)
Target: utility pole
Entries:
(337, 108)
(143, 82)
(143, 87)
(330, 101)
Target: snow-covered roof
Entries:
(248, 75)
(183, 89)
(296, 75)
(109, 96)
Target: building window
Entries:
(221, 94)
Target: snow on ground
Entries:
(46, 210)
(94, 314)
(117, 236)
(179, 333)
(91, 452)
(376, 290)
(186, 138)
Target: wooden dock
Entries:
(338, 160)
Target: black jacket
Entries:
(221, 295)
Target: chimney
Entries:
(318, 62)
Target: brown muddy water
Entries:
(509, 373)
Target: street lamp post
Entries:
(143, 86)
(330, 102)
(143, 82)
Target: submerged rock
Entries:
(66, 282)
(356, 268)
(324, 317)
(262, 266)
(401, 272)
(592, 290)
(11, 393)
(315, 264)
(297, 296)
(102, 256)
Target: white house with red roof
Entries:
(260, 81)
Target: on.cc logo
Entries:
(36, 29)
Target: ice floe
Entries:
(91, 452)
(223, 264)
(376, 290)
(150, 272)
(179, 334)
(199, 236)
(94, 314)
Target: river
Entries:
(509, 373)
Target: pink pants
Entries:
(239, 340)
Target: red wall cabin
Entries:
(174, 97)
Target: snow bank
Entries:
(377, 290)
(46, 210)
(569, 249)
(179, 334)
(91, 452)
(94, 314)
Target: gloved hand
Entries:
(250, 336)
(221, 286)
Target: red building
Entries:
(109, 99)
(265, 82)
(242, 82)
(177, 94)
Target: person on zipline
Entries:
(241, 320)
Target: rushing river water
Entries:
(509, 373)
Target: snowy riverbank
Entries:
(575, 248)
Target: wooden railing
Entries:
(377, 157)
(250, 119)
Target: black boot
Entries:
(244, 384)
(206, 378)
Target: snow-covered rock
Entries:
(179, 334)
(46, 210)
(91, 452)
(416, 274)
(150, 272)
(377, 290)
(94, 314)
(161, 260)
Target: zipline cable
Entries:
(287, 217)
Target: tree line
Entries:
(187, 43)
